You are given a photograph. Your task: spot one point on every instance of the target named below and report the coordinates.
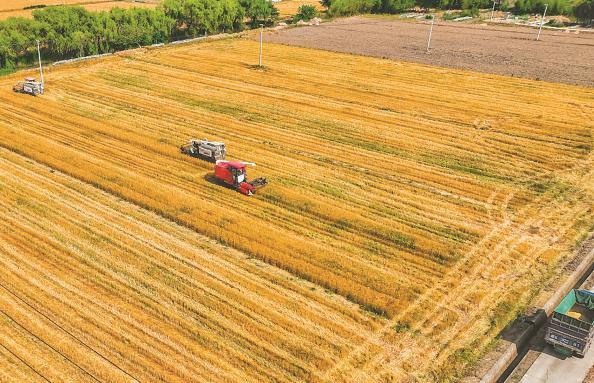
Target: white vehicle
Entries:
(30, 85)
(207, 150)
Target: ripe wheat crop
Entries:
(21, 4)
(290, 7)
(95, 287)
(18, 8)
(431, 196)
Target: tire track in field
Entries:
(20, 325)
(461, 290)
(37, 373)
(30, 182)
(32, 308)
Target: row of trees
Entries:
(67, 32)
(582, 9)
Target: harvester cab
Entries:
(206, 150)
(233, 173)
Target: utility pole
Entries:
(430, 33)
(40, 67)
(261, 34)
(542, 22)
(493, 10)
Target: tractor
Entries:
(233, 173)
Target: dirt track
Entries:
(506, 50)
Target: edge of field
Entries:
(518, 333)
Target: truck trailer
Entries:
(570, 328)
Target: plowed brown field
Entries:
(559, 56)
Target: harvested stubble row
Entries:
(397, 185)
(93, 288)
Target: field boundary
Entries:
(219, 36)
(515, 349)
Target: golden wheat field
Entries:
(290, 7)
(412, 210)
(21, 4)
(16, 8)
(94, 287)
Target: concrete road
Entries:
(541, 364)
(551, 367)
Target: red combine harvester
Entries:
(233, 173)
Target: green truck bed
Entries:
(571, 326)
(578, 301)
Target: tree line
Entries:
(583, 10)
(72, 31)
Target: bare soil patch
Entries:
(559, 56)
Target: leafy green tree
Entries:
(67, 32)
(353, 7)
(473, 6)
(555, 7)
(259, 12)
(305, 12)
(395, 6)
(17, 37)
(584, 11)
(7, 54)
(197, 17)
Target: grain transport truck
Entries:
(570, 328)
(206, 150)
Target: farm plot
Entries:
(565, 57)
(434, 196)
(95, 289)
(21, 4)
(16, 8)
(290, 7)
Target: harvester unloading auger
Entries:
(231, 173)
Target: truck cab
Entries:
(570, 328)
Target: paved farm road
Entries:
(551, 368)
